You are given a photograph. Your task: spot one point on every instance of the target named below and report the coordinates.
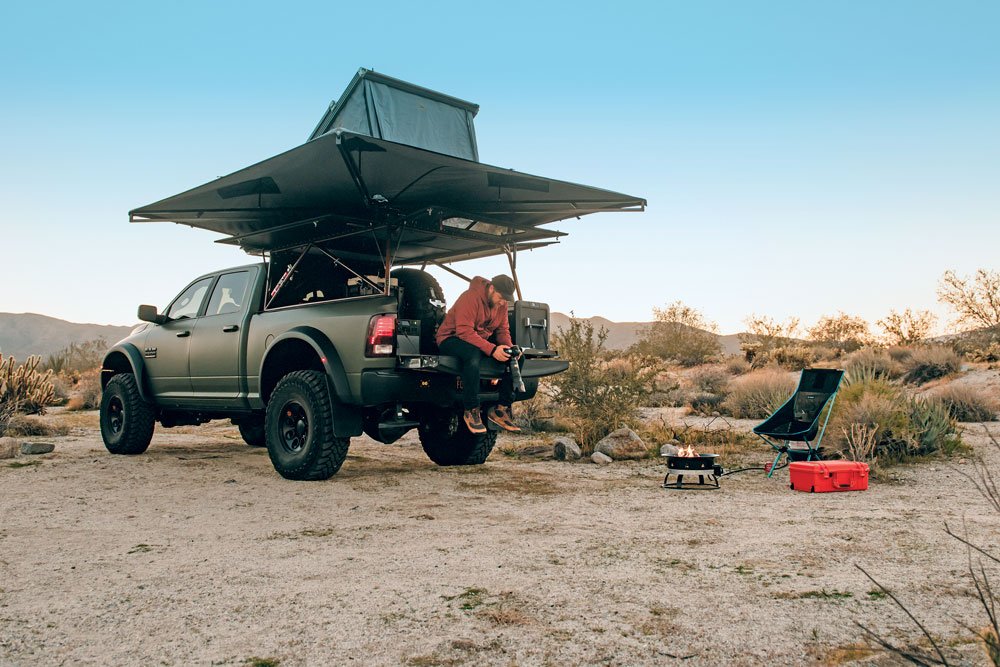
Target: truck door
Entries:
(166, 346)
(219, 337)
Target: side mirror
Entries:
(149, 314)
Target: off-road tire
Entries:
(252, 431)
(127, 421)
(423, 299)
(447, 441)
(299, 428)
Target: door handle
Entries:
(230, 328)
(183, 334)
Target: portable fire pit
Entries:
(688, 463)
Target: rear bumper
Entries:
(438, 385)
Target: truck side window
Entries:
(189, 302)
(229, 295)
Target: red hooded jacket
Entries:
(473, 320)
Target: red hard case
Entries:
(825, 476)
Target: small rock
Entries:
(37, 447)
(566, 448)
(534, 450)
(668, 450)
(622, 444)
(8, 448)
(601, 459)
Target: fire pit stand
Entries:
(702, 465)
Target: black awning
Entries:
(353, 194)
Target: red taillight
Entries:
(381, 336)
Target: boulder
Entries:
(601, 459)
(8, 448)
(622, 444)
(564, 448)
(37, 447)
(668, 450)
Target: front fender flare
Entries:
(134, 358)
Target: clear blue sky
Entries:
(799, 158)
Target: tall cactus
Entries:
(23, 388)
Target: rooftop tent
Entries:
(385, 108)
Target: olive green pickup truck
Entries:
(331, 334)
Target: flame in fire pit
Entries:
(687, 452)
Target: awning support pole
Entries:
(284, 278)
(512, 260)
(452, 271)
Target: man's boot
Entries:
(473, 421)
(501, 416)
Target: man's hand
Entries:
(500, 355)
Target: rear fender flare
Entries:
(112, 365)
(325, 351)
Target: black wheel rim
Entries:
(294, 427)
(116, 415)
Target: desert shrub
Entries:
(737, 365)
(763, 335)
(873, 414)
(930, 363)
(979, 345)
(758, 394)
(794, 357)
(7, 411)
(680, 334)
(85, 394)
(900, 353)
(872, 362)
(976, 301)
(706, 403)
(841, 331)
(710, 379)
(24, 387)
(906, 328)
(78, 357)
(602, 394)
(966, 404)
(27, 425)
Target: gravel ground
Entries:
(199, 553)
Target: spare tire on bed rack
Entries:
(422, 299)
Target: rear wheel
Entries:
(447, 441)
(127, 421)
(299, 428)
(253, 433)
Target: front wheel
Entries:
(127, 421)
(447, 441)
(299, 428)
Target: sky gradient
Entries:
(798, 158)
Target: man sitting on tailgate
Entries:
(477, 327)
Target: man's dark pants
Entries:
(471, 356)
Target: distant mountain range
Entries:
(23, 334)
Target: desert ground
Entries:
(199, 553)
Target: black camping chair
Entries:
(798, 419)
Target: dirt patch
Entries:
(198, 552)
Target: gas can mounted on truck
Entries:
(331, 333)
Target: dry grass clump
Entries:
(966, 404)
(930, 363)
(710, 379)
(873, 362)
(26, 426)
(758, 394)
(737, 365)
